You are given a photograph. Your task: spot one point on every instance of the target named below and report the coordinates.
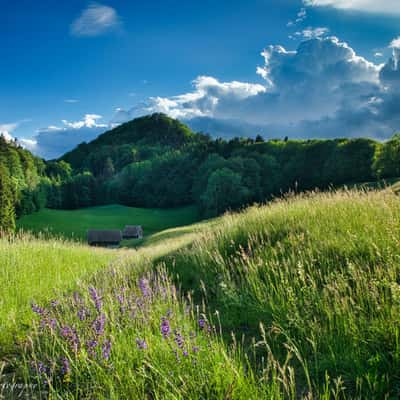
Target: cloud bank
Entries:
(372, 6)
(322, 89)
(53, 141)
(95, 20)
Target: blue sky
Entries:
(71, 70)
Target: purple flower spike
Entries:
(65, 367)
(54, 303)
(165, 327)
(120, 299)
(98, 324)
(202, 323)
(38, 310)
(71, 337)
(195, 349)
(91, 347)
(179, 340)
(144, 287)
(52, 323)
(185, 353)
(96, 298)
(82, 313)
(106, 349)
(141, 344)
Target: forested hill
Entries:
(156, 161)
(148, 132)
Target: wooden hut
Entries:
(132, 232)
(106, 237)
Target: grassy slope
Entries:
(75, 223)
(33, 269)
(319, 272)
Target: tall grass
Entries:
(308, 286)
(322, 273)
(34, 269)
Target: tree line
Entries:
(156, 161)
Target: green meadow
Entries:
(297, 299)
(73, 224)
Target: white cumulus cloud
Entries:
(53, 141)
(321, 89)
(95, 20)
(372, 6)
(311, 33)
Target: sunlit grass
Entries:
(308, 286)
(38, 269)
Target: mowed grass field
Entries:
(73, 224)
(299, 299)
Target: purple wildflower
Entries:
(38, 310)
(195, 349)
(106, 349)
(165, 327)
(141, 344)
(185, 353)
(120, 298)
(91, 347)
(70, 335)
(82, 313)
(50, 322)
(144, 287)
(179, 339)
(54, 303)
(202, 323)
(41, 368)
(96, 298)
(65, 367)
(98, 324)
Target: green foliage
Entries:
(7, 213)
(387, 159)
(23, 187)
(156, 161)
(224, 190)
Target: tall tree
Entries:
(7, 211)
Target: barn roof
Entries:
(132, 230)
(104, 236)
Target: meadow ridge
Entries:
(296, 299)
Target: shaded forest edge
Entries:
(156, 161)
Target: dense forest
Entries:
(156, 161)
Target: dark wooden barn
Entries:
(132, 232)
(107, 238)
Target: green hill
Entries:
(310, 281)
